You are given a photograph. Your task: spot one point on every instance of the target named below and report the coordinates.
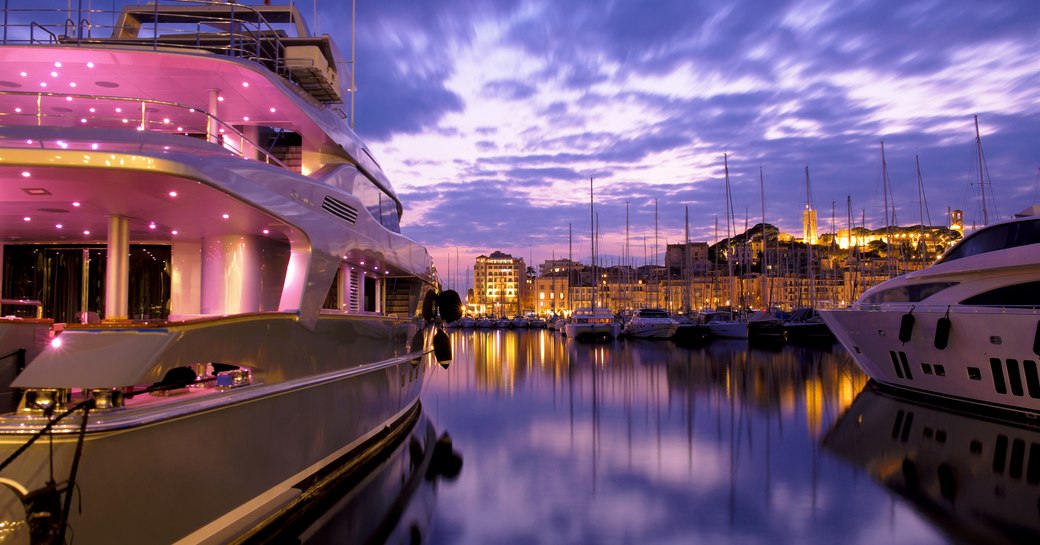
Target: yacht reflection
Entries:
(388, 498)
(977, 480)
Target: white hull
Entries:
(650, 331)
(592, 331)
(990, 358)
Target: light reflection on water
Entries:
(650, 442)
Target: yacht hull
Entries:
(206, 465)
(650, 331)
(592, 331)
(989, 355)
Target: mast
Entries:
(686, 264)
(921, 207)
(888, 222)
(809, 269)
(715, 272)
(766, 295)
(628, 265)
(729, 218)
(570, 265)
(592, 232)
(982, 179)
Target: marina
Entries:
(214, 328)
(639, 441)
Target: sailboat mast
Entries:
(592, 232)
(766, 295)
(920, 208)
(809, 243)
(686, 262)
(888, 222)
(982, 179)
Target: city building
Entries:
(498, 282)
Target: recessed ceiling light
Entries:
(54, 74)
(26, 174)
(273, 110)
(173, 193)
(151, 225)
(86, 232)
(23, 74)
(17, 110)
(245, 84)
(174, 232)
(75, 203)
(72, 84)
(57, 64)
(43, 84)
(58, 226)
(90, 65)
(225, 216)
(266, 231)
(27, 218)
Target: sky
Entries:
(492, 117)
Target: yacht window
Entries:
(997, 237)
(908, 294)
(378, 203)
(1026, 295)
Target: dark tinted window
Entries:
(998, 237)
(908, 294)
(1017, 295)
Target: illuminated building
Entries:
(809, 232)
(498, 282)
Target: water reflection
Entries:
(977, 480)
(390, 499)
(650, 442)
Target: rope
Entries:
(71, 484)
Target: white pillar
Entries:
(212, 128)
(117, 271)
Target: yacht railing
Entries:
(258, 33)
(954, 309)
(110, 112)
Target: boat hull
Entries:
(215, 463)
(728, 330)
(650, 331)
(988, 357)
(592, 331)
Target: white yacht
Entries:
(650, 323)
(964, 328)
(726, 324)
(214, 299)
(591, 323)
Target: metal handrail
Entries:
(144, 124)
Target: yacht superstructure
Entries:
(213, 264)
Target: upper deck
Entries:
(276, 37)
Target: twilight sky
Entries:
(490, 117)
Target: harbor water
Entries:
(630, 441)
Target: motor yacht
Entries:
(650, 323)
(588, 323)
(204, 274)
(965, 328)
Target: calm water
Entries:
(650, 442)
